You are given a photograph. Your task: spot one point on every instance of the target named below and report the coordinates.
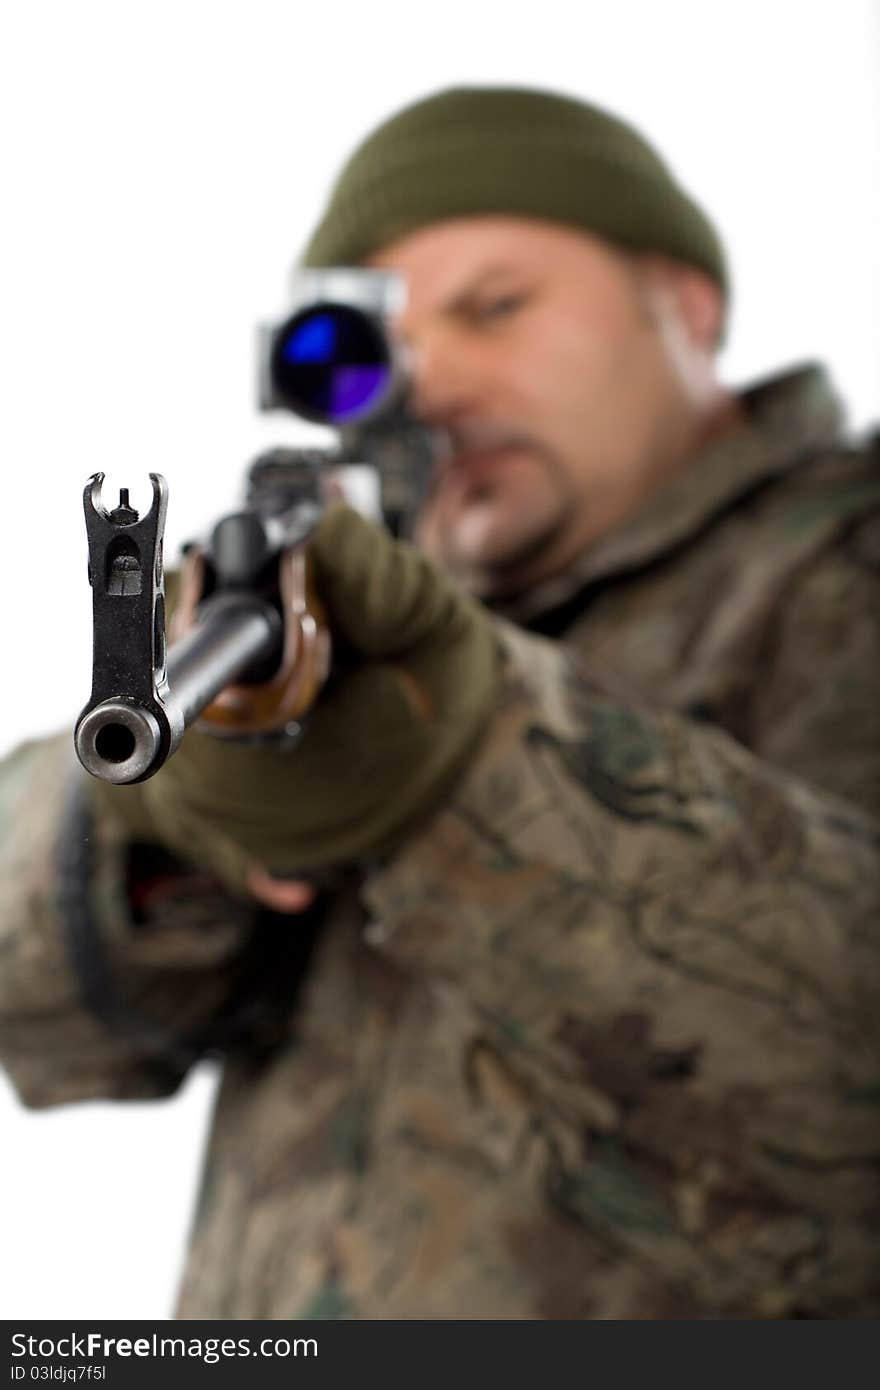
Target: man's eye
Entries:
(500, 308)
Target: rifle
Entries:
(251, 649)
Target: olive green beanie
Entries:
(482, 150)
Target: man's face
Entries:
(564, 374)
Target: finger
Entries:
(281, 894)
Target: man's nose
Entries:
(445, 384)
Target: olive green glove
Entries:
(381, 748)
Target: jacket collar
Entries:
(787, 419)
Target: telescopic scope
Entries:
(331, 363)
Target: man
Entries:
(718, 553)
(584, 1018)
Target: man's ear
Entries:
(679, 292)
(700, 303)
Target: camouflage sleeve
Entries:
(94, 999)
(646, 1057)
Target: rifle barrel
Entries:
(120, 740)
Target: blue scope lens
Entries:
(331, 363)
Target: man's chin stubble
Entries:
(522, 563)
(507, 574)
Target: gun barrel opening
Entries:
(115, 743)
(118, 742)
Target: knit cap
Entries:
(478, 151)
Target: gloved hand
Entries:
(381, 748)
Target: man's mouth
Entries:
(469, 477)
(476, 463)
(474, 466)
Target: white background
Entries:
(162, 166)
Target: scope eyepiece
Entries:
(331, 363)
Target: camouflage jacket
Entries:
(600, 1042)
